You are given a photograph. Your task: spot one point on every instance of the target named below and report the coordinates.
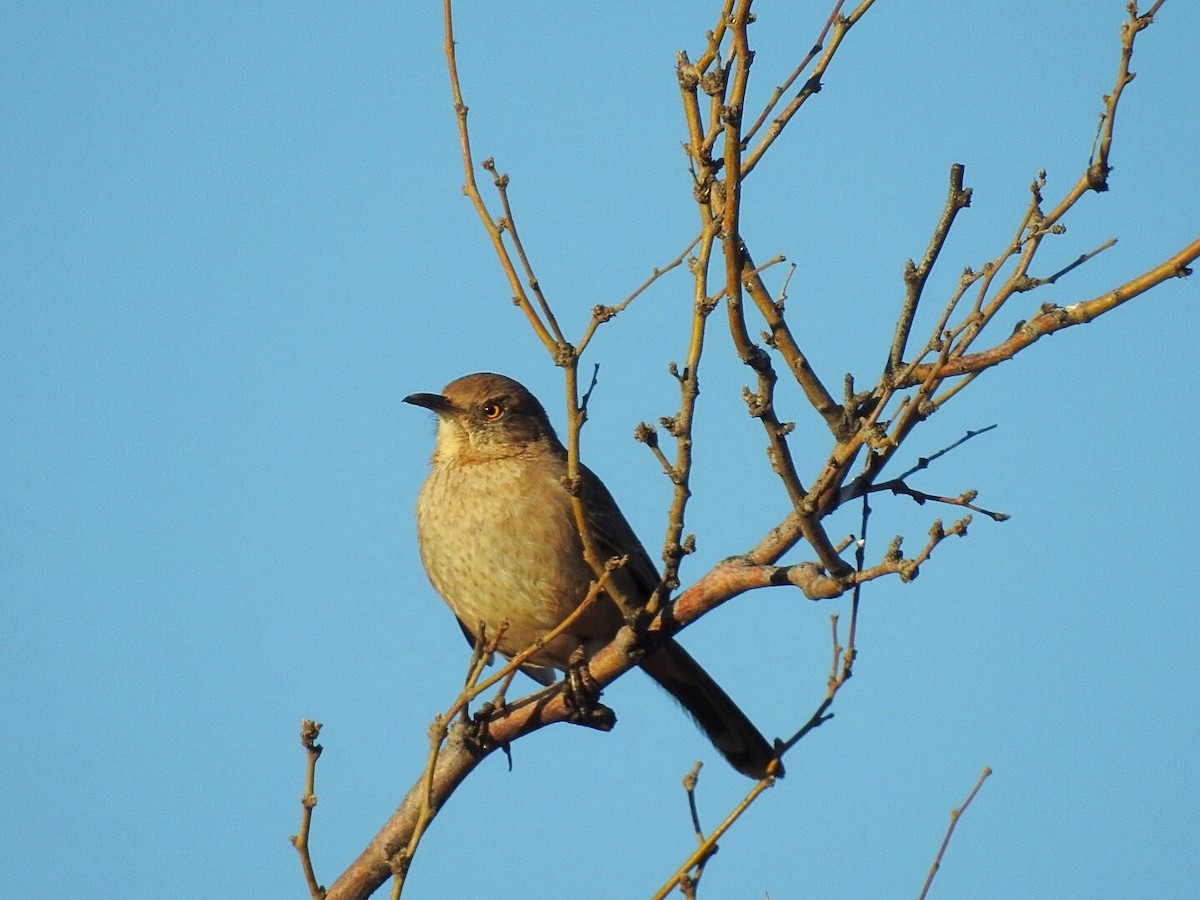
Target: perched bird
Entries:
(498, 540)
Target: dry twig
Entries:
(955, 815)
(309, 732)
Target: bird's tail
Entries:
(730, 731)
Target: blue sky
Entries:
(234, 238)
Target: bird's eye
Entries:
(492, 411)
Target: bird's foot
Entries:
(475, 728)
(581, 694)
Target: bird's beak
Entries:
(433, 402)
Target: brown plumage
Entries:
(498, 541)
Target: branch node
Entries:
(645, 433)
(564, 354)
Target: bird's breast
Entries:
(499, 543)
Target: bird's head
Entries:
(487, 416)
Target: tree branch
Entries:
(915, 276)
(955, 815)
(309, 732)
(471, 189)
(1055, 318)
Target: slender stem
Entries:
(706, 848)
(841, 25)
(782, 89)
(1058, 318)
(309, 732)
(471, 189)
(915, 276)
(955, 815)
(602, 314)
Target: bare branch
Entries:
(309, 732)
(471, 189)
(602, 314)
(1079, 261)
(509, 223)
(1055, 318)
(915, 276)
(955, 815)
(691, 880)
(841, 25)
(965, 499)
(707, 847)
(782, 89)
(924, 461)
(716, 36)
(867, 429)
(780, 338)
(1095, 178)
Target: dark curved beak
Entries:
(434, 402)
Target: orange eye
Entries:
(492, 411)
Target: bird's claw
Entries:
(475, 728)
(581, 694)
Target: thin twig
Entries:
(781, 339)
(481, 657)
(705, 849)
(438, 731)
(751, 272)
(1057, 318)
(915, 276)
(595, 589)
(965, 500)
(568, 359)
(841, 667)
(955, 815)
(841, 25)
(602, 313)
(865, 482)
(690, 881)
(309, 732)
(860, 561)
(1095, 177)
(509, 224)
(782, 89)
(471, 189)
(924, 461)
(1079, 261)
(679, 426)
(715, 37)
(587, 395)
(400, 860)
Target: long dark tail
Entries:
(730, 731)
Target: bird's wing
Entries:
(614, 537)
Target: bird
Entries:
(497, 536)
